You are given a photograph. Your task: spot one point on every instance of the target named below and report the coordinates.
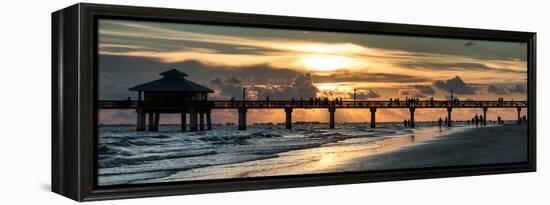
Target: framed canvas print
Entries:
(153, 102)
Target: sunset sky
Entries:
(283, 64)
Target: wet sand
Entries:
(488, 145)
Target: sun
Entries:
(327, 62)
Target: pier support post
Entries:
(201, 121)
(449, 114)
(412, 109)
(372, 117)
(183, 121)
(208, 120)
(288, 119)
(151, 121)
(140, 121)
(157, 119)
(331, 122)
(193, 121)
(484, 116)
(519, 115)
(242, 118)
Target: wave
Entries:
(123, 160)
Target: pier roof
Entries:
(173, 81)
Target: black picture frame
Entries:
(74, 94)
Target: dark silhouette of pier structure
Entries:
(175, 94)
(170, 94)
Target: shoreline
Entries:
(448, 147)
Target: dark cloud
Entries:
(518, 89)
(347, 76)
(119, 73)
(216, 81)
(425, 89)
(228, 87)
(411, 93)
(456, 84)
(496, 89)
(302, 87)
(500, 90)
(365, 95)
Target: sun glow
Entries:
(326, 87)
(327, 62)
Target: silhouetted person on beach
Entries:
(440, 122)
(446, 121)
(477, 119)
(404, 123)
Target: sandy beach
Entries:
(489, 145)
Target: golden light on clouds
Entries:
(344, 64)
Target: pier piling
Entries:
(201, 121)
(372, 117)
(449, 114)
(151, 121)
(183, 122)
(331, 112)
(208, 120)
(242, 118)
(484, 116)
(193, 121)
(519, 115)
(288, 119)
(412, 109)
(140, 120)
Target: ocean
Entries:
(126, 156)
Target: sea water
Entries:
(126, 156)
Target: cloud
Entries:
(216, 81)
(500, 90)
(496, 89)
(346, 76)
(460, 66)
(229, 87)
(233, 80)
(425, 89)
(119, 73)
(411, 93)
(518, 89)
(302, 87)
(365, 95)
(456, 84)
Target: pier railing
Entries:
(305, 104)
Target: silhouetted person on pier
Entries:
(440, 122)
(476, 119)
(391, 101)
